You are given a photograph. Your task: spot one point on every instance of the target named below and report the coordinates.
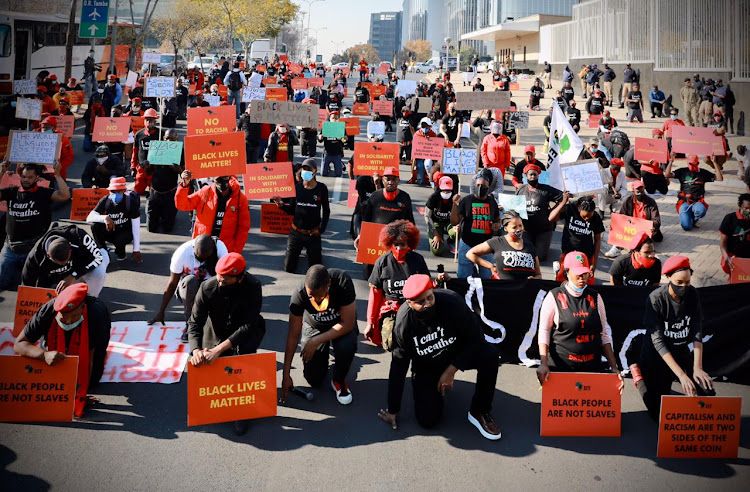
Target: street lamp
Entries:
(337, 44)
(316, 38)
(309, 6)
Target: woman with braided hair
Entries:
(515, 259)
(582, 231)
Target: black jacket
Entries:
(92, 177)
(273, 146)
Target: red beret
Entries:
(657, 132)
(71, 297)
(391, 171)
(675, 264)
(232, 264)
(50, 120)
(41, 88)
(416, 285)
(617, 162)
(532, 167)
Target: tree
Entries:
(174, 27)
(148, 13)
(70, 39)
(356, 52)
(467, 53)
(421, 48)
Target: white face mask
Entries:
(101, 160)
(673, 116)
(446, 195)
(69, 327)
(281, 129)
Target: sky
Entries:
(346, 22)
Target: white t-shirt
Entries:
(184, 262)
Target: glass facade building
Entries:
(385, 33)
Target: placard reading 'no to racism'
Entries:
(107, 129)
(626, 231)
(370, 248)
(205, 121)
(371, 157)
(267, 180)
(207, 156)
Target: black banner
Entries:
(510, 311)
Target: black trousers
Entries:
(161, 211)
(656, 109)
(658, 379)
(120, 237)
(428, 402)
(344, 349)
(308, 146)
(294, 246)
(655, 182)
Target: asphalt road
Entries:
(138, 439)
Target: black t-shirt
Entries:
(453, 125)
(122, 213)
(478, 88)
(365, 188)
(142, 140)
(596, 105)
(622, 269)
(28, 216)
(333, 146)
(518, 170)
(361, 95)
(538, 206)
(98, 323)
(513, 264)
(306, 207)
(737, 230)
(441, 209)
(390, 276)
(479, 215)
(341, 293)
(536, 92)
(165, 178)
(568, 93)
(382, 211)
(403, 130)
(221, 205)
(693, 184)
(671, 325)
(574, 115)
(637, 96)
(579, 234)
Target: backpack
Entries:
(235, 82)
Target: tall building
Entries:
(385, 33)
(424, 19)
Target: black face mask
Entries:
(640, 197)
(426, 314)
(679, 290)
(222, 185)
(228, 289)
(533, 182)
(482, 191)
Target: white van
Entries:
(434, 63)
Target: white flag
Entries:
(564, 146)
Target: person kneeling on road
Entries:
(117, 219)
(439, 335)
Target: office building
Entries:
(385, 33)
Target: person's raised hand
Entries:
(186, 176)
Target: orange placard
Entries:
(581, 404)
(717, 145)
(276, 94)
(699, 427)
(260, 68)
(594, 120)
(377, 91)
(84, 201)
(315, 82)
(740, 271)
(28, 302)
(283, 58)
(383, 69)
(76, 97)
(295, 68)
(299, 83)
(384, 108)
(269, 81)
(267, 180)
(215, 155)
(626, 231)
(223, 92)
(136, 124)
(370, 157)
(233, 388)
(427, 148)
(211, 120)
(322, 117)
(32, 391)
(647, 149)
(107, 129)
(361, 109)
(352, 125)
(369, 243)
(368, 86)
(274, 220)
(66, 125)
(353, 195)
(514, 86)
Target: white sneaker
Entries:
(343, 395)
(613, 252)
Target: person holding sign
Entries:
(734, 238)
(690, 200)
(582, 231)
(221, 210)
(311, 210)
(437, 334)
(640, 268)
(139, 161)
(74, 323)
(117, 219)
(437, 214)
(322, 313)
(334, 149)
(226, 317)
(539, 198)
(28, 217)
(673, 320)
(641, 206)
(281, 144)
(573, 329)
(163, 180)
(515, 259)
(49, 125)
(101, 168)
(419, 173)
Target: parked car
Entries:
(208, 62)
(483, 67)
(423, 68)
(339, 65)
(167, 65)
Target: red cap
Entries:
(111, 76)
(150, 113)
(693, 159)
(137, 100)
(675, 264)
(637, 184)
(532, 167)
(337, 113)
(117, 184)
(445, 183)
(53, 77)
(50, 120)
(617, 162)
(72, 79)
(529, 148)
(577, 262)
(232, 264)
(416, 285)
(41, 88)
(391, 171)
(71, 297)
(657, 132)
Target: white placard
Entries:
(469, 161)
(466, 130)
(376, 128)
(132, 79)
(24, 86)
(28, 109)
(255, 79)
(212, 100)
(514, 202)
(582, 177)
(151, 57)
(159, 87)
(451, 161)
(33, 147)
(406, 87)
(253, 94)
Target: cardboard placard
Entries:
(84, 201)
(371, 157)
(28, 109)
(518, 119)
(33, 147)
(384, 108)
(108, 129)
(594, 120)
(370, 248)
(28, 302)
(27, 86)
(717, 145)
(647, 149)
(740, 271)
(164, 153)
(334, 129)
(423, 105)
(459, 161)
(131, 80)
(427, 148)
(159, 87)
(699, 427)
(352, 195)
(215, 155)
(361, 109)
(514, 202)
(274, 220)
(581, 404)
(483, 100)
(692, 140)
(299, 84)
(626, 231)
(151, 58)
(468, 161)
(255, 80)
(233, 388)
(253, 94)
(32, 391)
(66, 124)
(315, 82)
(267, 180)
(406, 87)
(582, 177)
(205, 121)
(352, 125)
(213, 101)
(137, 123)
(276, 94)
(376, 128)
(291, 113)
(376, 91)
(322, 117)
(76, 97)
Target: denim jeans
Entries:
(337, 166)
(466, 267)
(691, 214)
(235, 97)
(11, 265)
